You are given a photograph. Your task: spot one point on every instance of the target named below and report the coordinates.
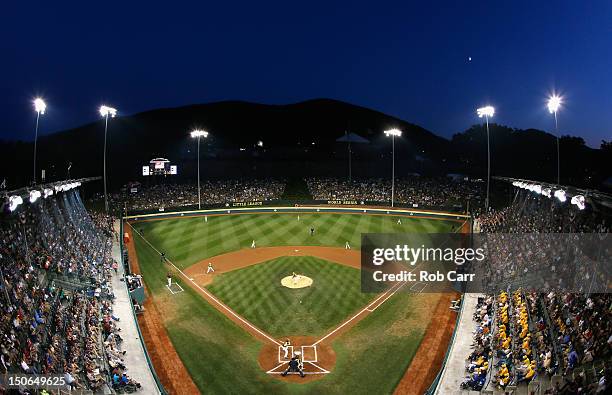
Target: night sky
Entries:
(407, 59)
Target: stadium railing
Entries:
(160, 386)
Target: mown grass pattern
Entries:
(189, 240)
(256, 294)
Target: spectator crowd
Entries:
(181, 195)
(56, 295)
(536, 331)
(414, 191)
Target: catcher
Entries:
(295, 365)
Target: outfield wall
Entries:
(440, 215)
(457, 208)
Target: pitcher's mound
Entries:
(296, 281)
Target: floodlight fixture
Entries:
(105, 111)
(15, 201)
(579, 201)
(554, 103)
(487, 112)
(393, 133)
(560, 195)
(39, 105)
(34, 195)
(199, 133)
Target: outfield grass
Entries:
(256, 294)
(189, 240)
(222, 358)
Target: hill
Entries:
(298, 140)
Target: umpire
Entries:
(294, 366)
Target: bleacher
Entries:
(551, 342)
(56, 297)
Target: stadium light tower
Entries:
(105, 111)
(487, 112)
(199, 134)
(39, 107)
(393, 133)
(554, 102)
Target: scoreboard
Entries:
(159, 167)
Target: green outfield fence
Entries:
(458, 208)
(297, 209)
(160, 387)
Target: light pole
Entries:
(198, 134)
(393, 133)
(39, 107)
(487, 112)
(554, 102)
(105, 111)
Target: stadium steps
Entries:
(296, 189)
(536, 386)
(69, 285)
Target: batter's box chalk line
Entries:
(308, 363)
(417, 285)
(281, 354)
(313, 348)
(280, 368)
(175, 288)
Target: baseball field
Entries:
(220, 332)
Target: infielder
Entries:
(210, 268)
(295, 277)
(253, 244)
(347, 246)
(285, 347)
(399, 221)
(169, 278)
